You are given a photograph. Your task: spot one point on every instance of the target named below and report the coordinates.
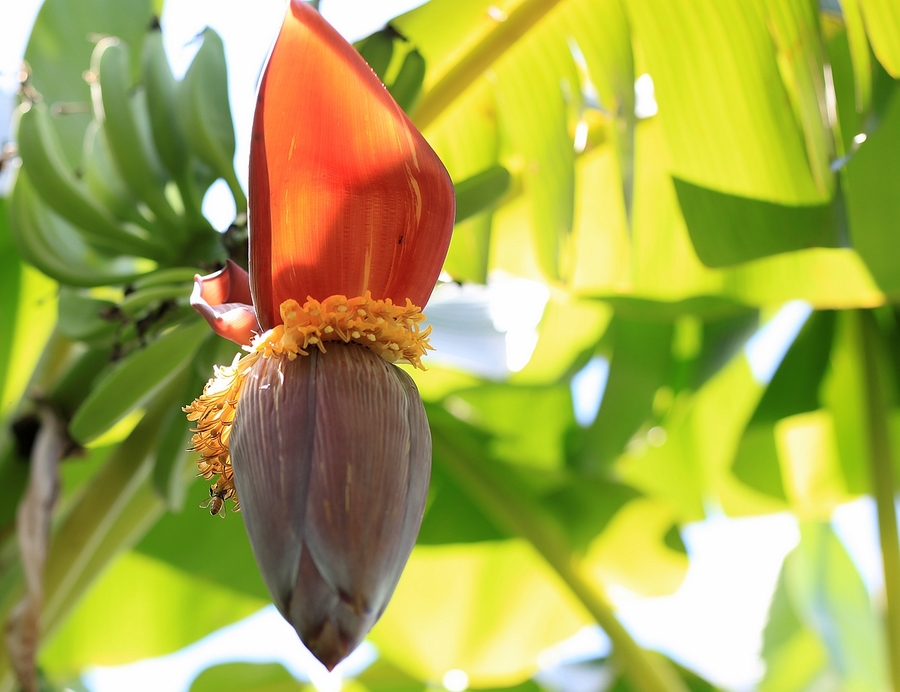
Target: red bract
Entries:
(346, 195)
(325, 440)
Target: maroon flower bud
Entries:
(332, 457)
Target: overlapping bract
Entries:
(332, 458)
(345, 194)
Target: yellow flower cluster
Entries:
(214, 411)
(391, 331)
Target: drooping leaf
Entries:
(137, 378)
(811, 467)
(377, 50)
(452, 517)
(567, 335)
(526, 424)
(727, 229)
(585, 506)
(632, 550)
(407, 83)
(794, 389)
(27, 308)
(794, 655)
(381, 676)
(859, 54)
(843, 394)
(795, 386)
(11, 270)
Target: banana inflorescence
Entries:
(127, 213)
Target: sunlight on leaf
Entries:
(478, 625)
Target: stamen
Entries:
(391, 331)
(339, 318)
(214, 411)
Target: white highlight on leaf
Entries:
(218, 205)
(456, 680)
(657, 436)
(766, 349)
(830, 97)
(581, 136)
(588, 386)
(645, 105)
(517, 306)
(497, 14)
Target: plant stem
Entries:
(473, 64)
(516, 513)
(882, 472)
(113, 511)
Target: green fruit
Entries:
(43, 160)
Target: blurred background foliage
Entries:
(667, 216)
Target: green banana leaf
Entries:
(137, 610)
(246, 677)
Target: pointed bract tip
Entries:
(346, 196)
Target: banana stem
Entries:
(882, 474)
(514, 512)
(113, 512)
(438, 96)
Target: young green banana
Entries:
(168, 131)
(407, 85)
(206, 112)
(377, 50)
(49, 243)
(43, 160)
(130, 150)
(102, 179)
(140, 301)
(162, 106)
(173, 275)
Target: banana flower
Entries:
(322, 439)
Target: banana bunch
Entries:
(121, 230)
(153, 147)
